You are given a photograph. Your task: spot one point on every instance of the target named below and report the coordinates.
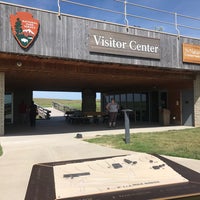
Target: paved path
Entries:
(44, 144)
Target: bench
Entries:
(96, 116)
(85, 117)
(77, 117)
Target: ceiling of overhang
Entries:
(51, 74)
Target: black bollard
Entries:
(127, 125)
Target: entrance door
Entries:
(141, 107)
(163, 99)
(187, 108)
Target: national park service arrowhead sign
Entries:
(24, 28)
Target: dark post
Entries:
(127, 125)
(88, 100)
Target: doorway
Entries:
(187, 108)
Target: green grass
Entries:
(182, 143)
(70, 103)
(1, 151)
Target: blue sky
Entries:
(184, 7)
(57, 95)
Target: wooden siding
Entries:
(68, 38)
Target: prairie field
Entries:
(76, 104)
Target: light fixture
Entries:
(19, 63)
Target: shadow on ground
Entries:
(57, 125)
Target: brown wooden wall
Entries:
(68, 38)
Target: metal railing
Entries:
(43, 113)
(61, 107)
(125, 12)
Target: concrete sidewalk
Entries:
(23, 151)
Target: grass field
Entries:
(182, 143)
(70, 103)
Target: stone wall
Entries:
(197, 101)
(2, 94)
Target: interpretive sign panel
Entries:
(191, 53)
(124, 44)
(113, 174)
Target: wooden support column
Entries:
(88, 101)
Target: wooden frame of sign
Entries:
(42, 185)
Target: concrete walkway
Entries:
(44, 144)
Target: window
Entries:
(123, 101)
(130, 101)
(8, 114)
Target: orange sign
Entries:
(191, 53)
(24, 28)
